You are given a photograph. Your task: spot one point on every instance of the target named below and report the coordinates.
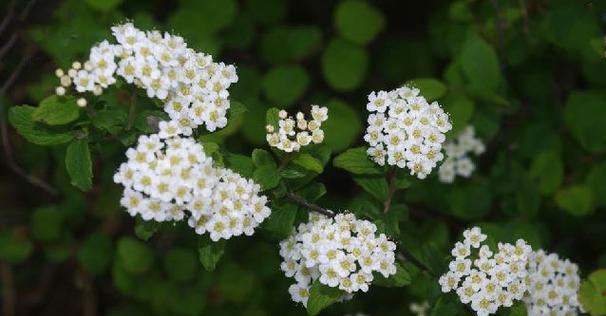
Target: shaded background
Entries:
(528, 74)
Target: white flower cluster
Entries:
(405, 130)
(340, 252)
(293, 134)
(490, 280)
(419, 309)
(192, 87)
(166, 175)
(457, 161)
(553, 285)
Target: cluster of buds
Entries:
(294, 133)
(65, 80)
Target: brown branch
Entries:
(8, 289)
(131, 110)
(302, 202)
(391, 190)
(408, 256)
(9, 16)
(89, 298)
(10, 161)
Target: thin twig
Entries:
(302, 202)
(4, 133)
(8, 290)
(391, 190)
(9, 16)
(89, 299)
(8, 45)
(524, 12)
(498, 25)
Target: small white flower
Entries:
(295, 133)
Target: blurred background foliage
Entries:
(530, 75)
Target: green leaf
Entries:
(134, 256)
(375, 185)
(241, 164)
(111, 121)
(180, 264)
(308, 162)
(344, 65)
(400, 279)
(518, 309)
(591, 294)
(267, 176)
(285, 84)
(56, 110)
(281, 220)
(79, 165)
(47, 223)
(286, 43)
(341, 114)
(312, 192)
(210, 252)
(431, 89)
(597, 182)
(461, 110)
(470, 201)
(320, 297)
(262, 157)
(95, 253)
(21, 118)
(144, 230)
(548, 170)
(358, 21)
(447, 305)
(584, 115)
(356, 161)
(576, 200)
(103, 5)
(14, 248)
(480, 64)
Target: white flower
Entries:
(168, 177)
(165, 68)
(294, 133)
(419, 309)
(406, 131)
(494, 279)
(553, 285)
(458, 161)
(341, 252)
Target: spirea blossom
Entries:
(191, 86)
(485, 279)
(405, 130)
(458, 162)
(294, 133)
(169, 178)
(419, 309)
(341, 252)
(553, 284)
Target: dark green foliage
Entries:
(529, 75)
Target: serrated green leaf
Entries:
(21, 119)
(320, 297)
(144, 230)
(79, 165)
(262, 157)
(591, 294)
(241, 164)
(375, 185)
(401, 278)
(548, 170)
(281, 220)
(56, 110)
(356, 161)
(110, 121)
(431, 89)
(267, 176)
(308, 162)
(210, 252)
(447, 305)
